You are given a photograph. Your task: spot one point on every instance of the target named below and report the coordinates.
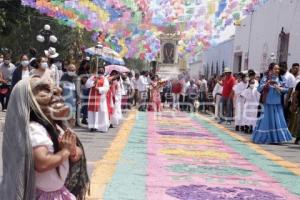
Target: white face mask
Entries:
(7, 61)
(25, 63)
(44, 65)
(252, 86)
(58, 65)
(72, 73)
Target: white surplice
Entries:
(251, 99)
(99, 120)
(239, 102)
(117, 114)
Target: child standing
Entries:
(238, 89)
(251, 101)
(155, 93)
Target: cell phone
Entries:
(273, 82)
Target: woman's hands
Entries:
(45, 161)
(278, 88)
(69, 143)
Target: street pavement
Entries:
(175, 155)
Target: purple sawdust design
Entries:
(201, 192)
(185, 133)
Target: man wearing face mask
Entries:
(290, 83)
(98, 118)
(67, 83)
(22, 71)
(6, 71)
(59, 66)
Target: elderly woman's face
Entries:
(49, 98)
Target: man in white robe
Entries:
(239, 102)
(117, 114)
(98, 117)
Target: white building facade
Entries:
(214, 59)
(270, 34)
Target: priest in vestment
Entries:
(98, 116)
(110, 97)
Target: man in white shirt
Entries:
(217, 94)
(203, 90)
(183, 97)
(295, 71)
(290, 83)
(55, 73)
(142, 86)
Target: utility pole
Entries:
(249, 39)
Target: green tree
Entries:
(136, 64)
(20, 25)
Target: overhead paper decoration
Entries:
(132, 27)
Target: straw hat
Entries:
(51, 53)
(227, 70)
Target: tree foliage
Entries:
(20, 25)
(136, 64)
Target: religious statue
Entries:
(169, 52)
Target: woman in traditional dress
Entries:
(156, 86)
(271, 127)
(43, 159)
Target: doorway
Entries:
(237, 62)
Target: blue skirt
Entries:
(272, 127)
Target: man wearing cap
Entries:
(227, 97)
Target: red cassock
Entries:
(95, 96)
(109, 100)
